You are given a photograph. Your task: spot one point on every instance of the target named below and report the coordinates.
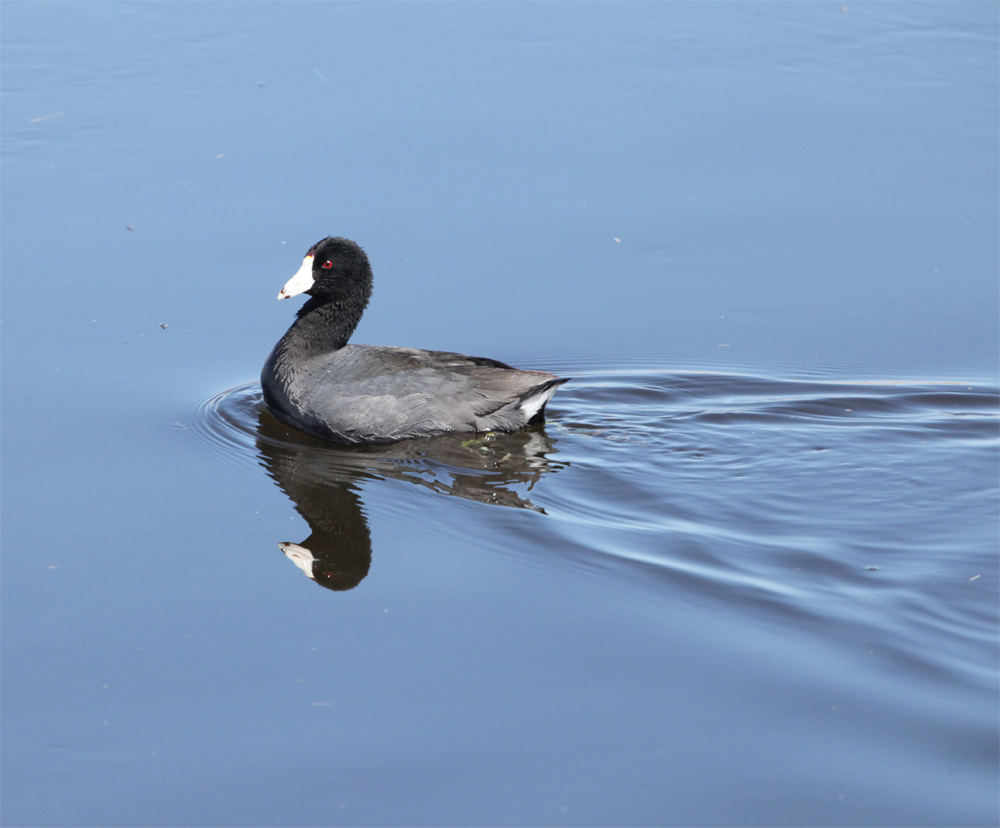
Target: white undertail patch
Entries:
(533, 404)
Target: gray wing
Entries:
(413, 393)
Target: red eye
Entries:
(327, 265)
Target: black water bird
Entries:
(315, 382)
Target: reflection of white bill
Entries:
(325, 482)
(300, 556)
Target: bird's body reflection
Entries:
(324, 482)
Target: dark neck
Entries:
(325, 323)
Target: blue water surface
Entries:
(745, 575)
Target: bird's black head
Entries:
(331, 267)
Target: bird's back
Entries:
(364, 394)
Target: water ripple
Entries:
(864, 505)
(491, 468)
(868, 506)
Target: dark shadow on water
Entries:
(324, 482)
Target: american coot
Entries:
(314, 381)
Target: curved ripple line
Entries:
(651, 400)
(228, 420)
(486, 467)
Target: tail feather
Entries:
(532, 402)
